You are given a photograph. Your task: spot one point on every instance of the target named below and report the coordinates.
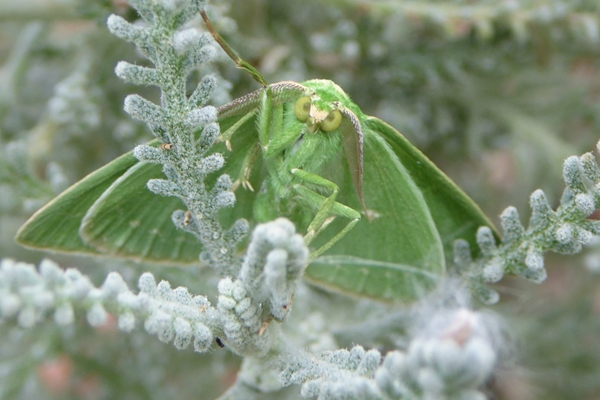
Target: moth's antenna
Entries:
(231, 53)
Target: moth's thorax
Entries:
(310, 152)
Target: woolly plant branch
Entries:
(449, 357)
(277, 256)
(172, 315)
(276, 252)
(521, 251)
(185, 126)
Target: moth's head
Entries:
(318, 115)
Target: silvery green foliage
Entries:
(174, 315)
(448, 358)
(17, 177)
(521, 251)
(242, 320)
(73, 107)
(275, 260)
(185, 125)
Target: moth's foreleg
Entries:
(246, 168)
(226, 136)
(327, 209)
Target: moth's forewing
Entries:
(130, 221)
(56, 226)
(129, 215)
(455, 214)
(396, 256)
(378, 280)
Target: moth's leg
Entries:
(226, 136)
(244, 174)
(327, 209)
(334, 239)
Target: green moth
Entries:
(380, 217)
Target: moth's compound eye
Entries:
(302, 108)
(332, 122)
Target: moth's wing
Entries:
(396, 256)
(117, 225)
(455, 214)
(56, 225)
(129, 221)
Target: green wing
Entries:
(420, 212)
(130, 217)
(455, 214)
(56, 225)
(398, 255)
(129, 221)
(111, 212)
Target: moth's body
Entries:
(305, 150)
(307, 127)
(308, 152)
